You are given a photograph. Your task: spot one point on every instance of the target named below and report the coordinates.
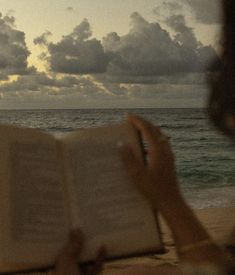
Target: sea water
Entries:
(205, 159)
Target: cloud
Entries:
(170, 62)
(174, 79)
(78, 53)
(38, 82)
(40, 85)
(69, 9)
(184, 34)
(43, 91)
(42, 40)
(13, 49)
(146, 51)
(149, 50)
(167, 8)
(206, 11)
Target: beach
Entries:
(218, 221)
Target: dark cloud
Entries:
(44, 91)
(149, 50)
(146, 50)
(78, 53)
(184, 34)
(146, 53)
(42, 85)
(172, 61)
(38, 82)
(206, 11)
(42, 40)
(13, 49)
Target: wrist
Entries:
(172, 205)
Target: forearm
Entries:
(193, 243)
(185, 226)
(157, 180)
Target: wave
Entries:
(211, 197)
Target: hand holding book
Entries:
(156, 179)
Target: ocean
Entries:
(205, 159)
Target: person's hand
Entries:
(157, 178)
(67, 260)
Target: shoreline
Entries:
(210, 197)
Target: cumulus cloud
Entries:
(13, 49)
(184, 34)
(119, 66)
(146, 50)
(149, 50)
(206, 11)
(78, 53)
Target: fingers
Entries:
(66, 262)
(152, 134)
(133, 165)
(98, 266)
(75, 244)
(148, 131)
(99, 262)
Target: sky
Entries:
(107, 53)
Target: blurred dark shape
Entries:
(222, 98)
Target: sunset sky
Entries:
(107, 53)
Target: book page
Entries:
(106, 205)
(34, 222)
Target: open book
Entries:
(49, 185)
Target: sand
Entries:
(218, 221)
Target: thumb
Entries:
(98, 264)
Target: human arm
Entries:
(158, 182)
